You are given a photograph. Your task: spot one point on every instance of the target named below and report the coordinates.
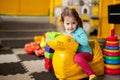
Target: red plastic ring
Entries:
(112, 71)
(116, 44)
(112, 53)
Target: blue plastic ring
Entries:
(112, 61)
(112, 47)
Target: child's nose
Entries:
(70, 25)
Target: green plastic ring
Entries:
(112, 57)
(48, 55)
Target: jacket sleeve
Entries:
(81, 37)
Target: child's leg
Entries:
(82, 59)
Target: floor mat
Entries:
(15, 64)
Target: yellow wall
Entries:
(58, 3)
(95, 11)
(104, 28)
(9, 6)
(25, 7)
(94, 23)
(117, 30)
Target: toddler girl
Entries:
(73, 27)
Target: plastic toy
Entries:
(37, 39)
(112, 47)
(48, 58)
(111, 57)
(48, 64)
(112, 44)
(43, 42)
(112, 37)
(39, 52)
(109, 66)
(63, 63)
(107, 50)
(112, 71)
(52, 35)
(31, 47)
(112, 53)
(48, 55)
(49, 51)
(112, 61)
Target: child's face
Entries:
(70, 23)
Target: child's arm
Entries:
(81, 37)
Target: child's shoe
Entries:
(92, 77)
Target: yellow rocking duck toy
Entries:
(63, 63)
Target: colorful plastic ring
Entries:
(112, 47)
(48, 60)
(112, 53)
(112, 42)
(112, 57)
(48, 49)
(111, 50)
(112, 38)
(48, 55)
(109, 66)
(112, 61)
(112, 71)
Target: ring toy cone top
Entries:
(112, 37)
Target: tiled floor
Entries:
(15, 64)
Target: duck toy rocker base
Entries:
(63, 62)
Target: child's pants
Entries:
(82, 60)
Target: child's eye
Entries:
(73, 22)
(67, 23)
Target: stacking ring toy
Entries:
(112, 57)
(109, 66)
(112, 42)
(112, 47)
(112, 53)
(111, 50)
(48, 55)
(109, 39)
(112, 61)
(48, 49)
(112, 71)
(112, 38)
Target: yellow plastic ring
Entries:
(112, 42)
(111, 50)
(109, 66)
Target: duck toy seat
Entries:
(65, 68)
